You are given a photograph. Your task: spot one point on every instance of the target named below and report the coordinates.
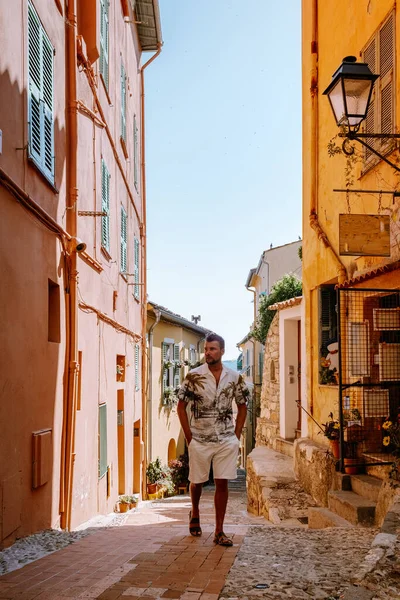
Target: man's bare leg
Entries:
(195, 494)
(220, 503)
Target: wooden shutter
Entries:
(370, 124)
(135, 154)
(386, 64)
(104, 35)
(40, 96)
(105, 206)
(102, 440)
(123, 103)
(137, 367)
(123, 240)
(136, 267)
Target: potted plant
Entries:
(133, 500)
(391, 441)
(331, 430)
(123, 504)
(170, 398)
(154, 473)
(180, 471)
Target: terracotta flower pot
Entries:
(123, 508)
(151, 488)
(335, 448)
(349, 467)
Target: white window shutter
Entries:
(164, 355)
(123, 103)
(137, 367)
(123, 240)
(105, 206)
(135, 154)
(177, 370)
(104, 33)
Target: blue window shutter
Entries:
(105, 206)
(124, 241)
(40, 96)
(136, 267)
(123, 103)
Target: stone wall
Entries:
(315, 469)
(268, 422)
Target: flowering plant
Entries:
(331, 429)
(168, 364)
(120, 370)
(392, 436)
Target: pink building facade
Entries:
(73, 256)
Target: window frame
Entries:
(331, 327)
(124, 242)
(136, 268)
(104, 43)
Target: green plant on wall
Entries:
(284, 289)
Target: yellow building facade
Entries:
(331, 31)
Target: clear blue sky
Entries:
(223, 154)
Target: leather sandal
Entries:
(194, 526)
(222, 540)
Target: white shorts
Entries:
(223, 455)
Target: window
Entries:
(167, 353)
(327, 320)
(192, 355)
(136, 268)
(105, 206)
(135, 154)
(379, 55)
(102, 440)
(40, 96)
(53, 315)
(104, 38)
(137, 367)
(123, 240)
(123, 106)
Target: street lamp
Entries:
(349, 94)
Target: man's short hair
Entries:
(213, 337)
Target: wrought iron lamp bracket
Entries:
(360, 137)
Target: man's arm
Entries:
(240, 419)
(183, 418)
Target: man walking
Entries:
(211, 434)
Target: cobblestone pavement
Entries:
(151, 556)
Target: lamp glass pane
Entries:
(337, 102)
(357, 94)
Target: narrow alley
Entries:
(151, 555)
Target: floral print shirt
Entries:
(211, 415)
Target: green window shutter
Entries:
(135, 154)
(328, 317)
(123, 240)
(105, 206)
(104, 36)
(261, 364)
(40, 96)
(177, 370)
(136, 267)
(137, 367)
(102, 440)
(123, 103)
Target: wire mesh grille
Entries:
(369, 371)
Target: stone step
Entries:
(320, 518)
(352, 507)
(366, 486)
(284, 446)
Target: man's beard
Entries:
(212, 361)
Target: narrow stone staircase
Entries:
(352, 504)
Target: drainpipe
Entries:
(144, 260)
(313, 217)
(71, 363)
(157, 313)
